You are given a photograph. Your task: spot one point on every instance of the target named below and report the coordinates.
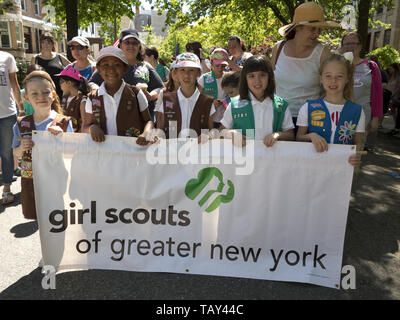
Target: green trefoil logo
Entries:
(195, 186)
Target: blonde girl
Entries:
(334, 118)
(40, 91)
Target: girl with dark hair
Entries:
(258, 113)
(75, 88)
(151, 56)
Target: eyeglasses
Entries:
(127, 42)
(78, 47)
(351, 44)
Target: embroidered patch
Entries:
(316, 105)
(96, 102)
(209, 79)
(25, 124)
(132, 132)
(169, 105)
(347, 131)
(316, 116)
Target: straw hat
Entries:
(311, 14)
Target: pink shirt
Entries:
(368, 87)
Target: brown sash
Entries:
(73, 109)
(129, 119)
(172, 112)
(26, 125)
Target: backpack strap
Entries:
(279, 52)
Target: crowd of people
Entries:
(304, 92)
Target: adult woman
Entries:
(80, 50)
(140, 73)
(151, 56)
(51, 61)
(237, 50)
(10, 97)
(298, 58)
(367, 82)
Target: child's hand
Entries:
(203, 138)
(26, 144)
(144, 140)
(238, 139)
(55, 130)
(319, 143)
(271, 139)
(355, 160)
(96, 133)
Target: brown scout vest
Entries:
(26, 126)
(73, 110)
(172, 112)
(129, 120)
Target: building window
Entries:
(23, 5)
(28, 40)
(37, 11)
(386, 37)
(5, 41)
(377, 36)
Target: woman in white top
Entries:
(297, 59)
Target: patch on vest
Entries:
(316, 105)
(347, 131)
(240, 115)
(25, 124)
(26, 169)
(132, 132)
(209, 79)
(316, 116)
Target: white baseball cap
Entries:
(112, 51)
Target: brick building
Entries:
(21, 27)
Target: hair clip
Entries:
(348, 56)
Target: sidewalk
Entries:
(372, 246)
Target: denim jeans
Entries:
(6, 152)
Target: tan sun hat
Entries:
(308, 13)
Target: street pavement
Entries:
(372, 246)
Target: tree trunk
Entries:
(71, 10)
(362, 25)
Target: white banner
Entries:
(265, 213)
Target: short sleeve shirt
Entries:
(334, 112)
(263, 118)
(7, 102)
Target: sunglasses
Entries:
(78, 47)
(128, 42)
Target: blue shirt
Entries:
(86, 73)
(42, 126)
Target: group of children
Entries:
(241, 105)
